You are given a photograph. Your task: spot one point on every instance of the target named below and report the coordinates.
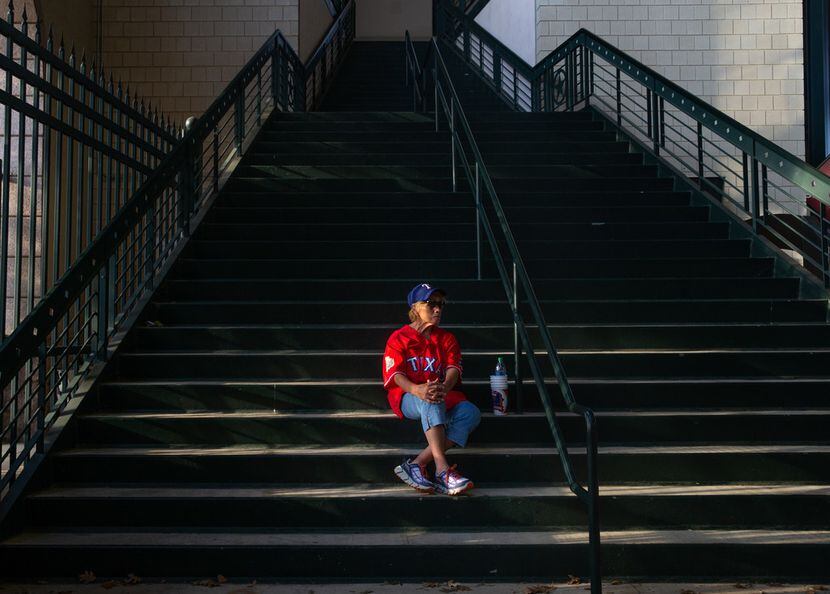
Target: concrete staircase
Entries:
(243, 429)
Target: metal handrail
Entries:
(690, 136)
(466, 154)
(53, 350)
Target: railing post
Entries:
(517, 346)
(593, 509)
(756, 195)
(435, 92)
(497, 71)
(764, 192)
(41, 396)
(150, 247)
(745, 171)
(825, 245)
(655, 110)
(239, 119)
(649, 115)
(619, 100)
(478, 221)
(216, 160)
(467, 50)
(275, 74)
(104, 297)
(700, 170)
(452, 144)
(186, 190)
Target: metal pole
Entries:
(452, 143)
(478, 221)
(700, 172)
(756, 195)
(619, 100)
(517, 348)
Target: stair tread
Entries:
(363, 414)
(414, 537)
(369, 450)
(375, 491)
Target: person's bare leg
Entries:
(426, 456)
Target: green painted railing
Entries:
(155, 183)
(761, 183)
(466, 157)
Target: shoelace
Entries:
(451, 473)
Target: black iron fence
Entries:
(76, 145)
(105, 194)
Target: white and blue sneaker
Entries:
(413, 475)
(450, 482)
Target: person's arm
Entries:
(451, 378)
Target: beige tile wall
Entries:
(743, 56)
(181, 54)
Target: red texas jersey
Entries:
(420, 359)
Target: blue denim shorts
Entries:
(458, 422)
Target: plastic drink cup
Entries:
(498, 394)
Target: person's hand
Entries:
(435, 391)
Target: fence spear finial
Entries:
(10, 15)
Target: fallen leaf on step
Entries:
(208, 583)
(87, 577)
(687, 592)
(453, 586)
(221, 579)
(430, 584)
(573, 580)
(540, 589)
(819, 588)
(110, 584)
(743, 586)
(132, 579)
(616, 582)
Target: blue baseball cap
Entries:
(422, 292)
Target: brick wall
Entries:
(745, 57)
(180, 54)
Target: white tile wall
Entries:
(180, 54)
(743, 56)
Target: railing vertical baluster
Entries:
(239, 118)
(21, 182)
(98, 106)
(46, 217)
(466, 44)
(619, 98)
(478, 222)
(6, 190)
(33, 197)
(745, 172)
(700, 170)
(825, 245)
(497, 71)
(259, 98)
(41, 396)
(70, 173)
(661, 112)
(764, 192)
(216, 160)
(655, 111)
(452, 142)
(591, 81)
(569, 90)
(649, 114)
(756, 196)
(517, 345)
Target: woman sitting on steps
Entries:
(421, 368)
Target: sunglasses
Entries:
(433, 303)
